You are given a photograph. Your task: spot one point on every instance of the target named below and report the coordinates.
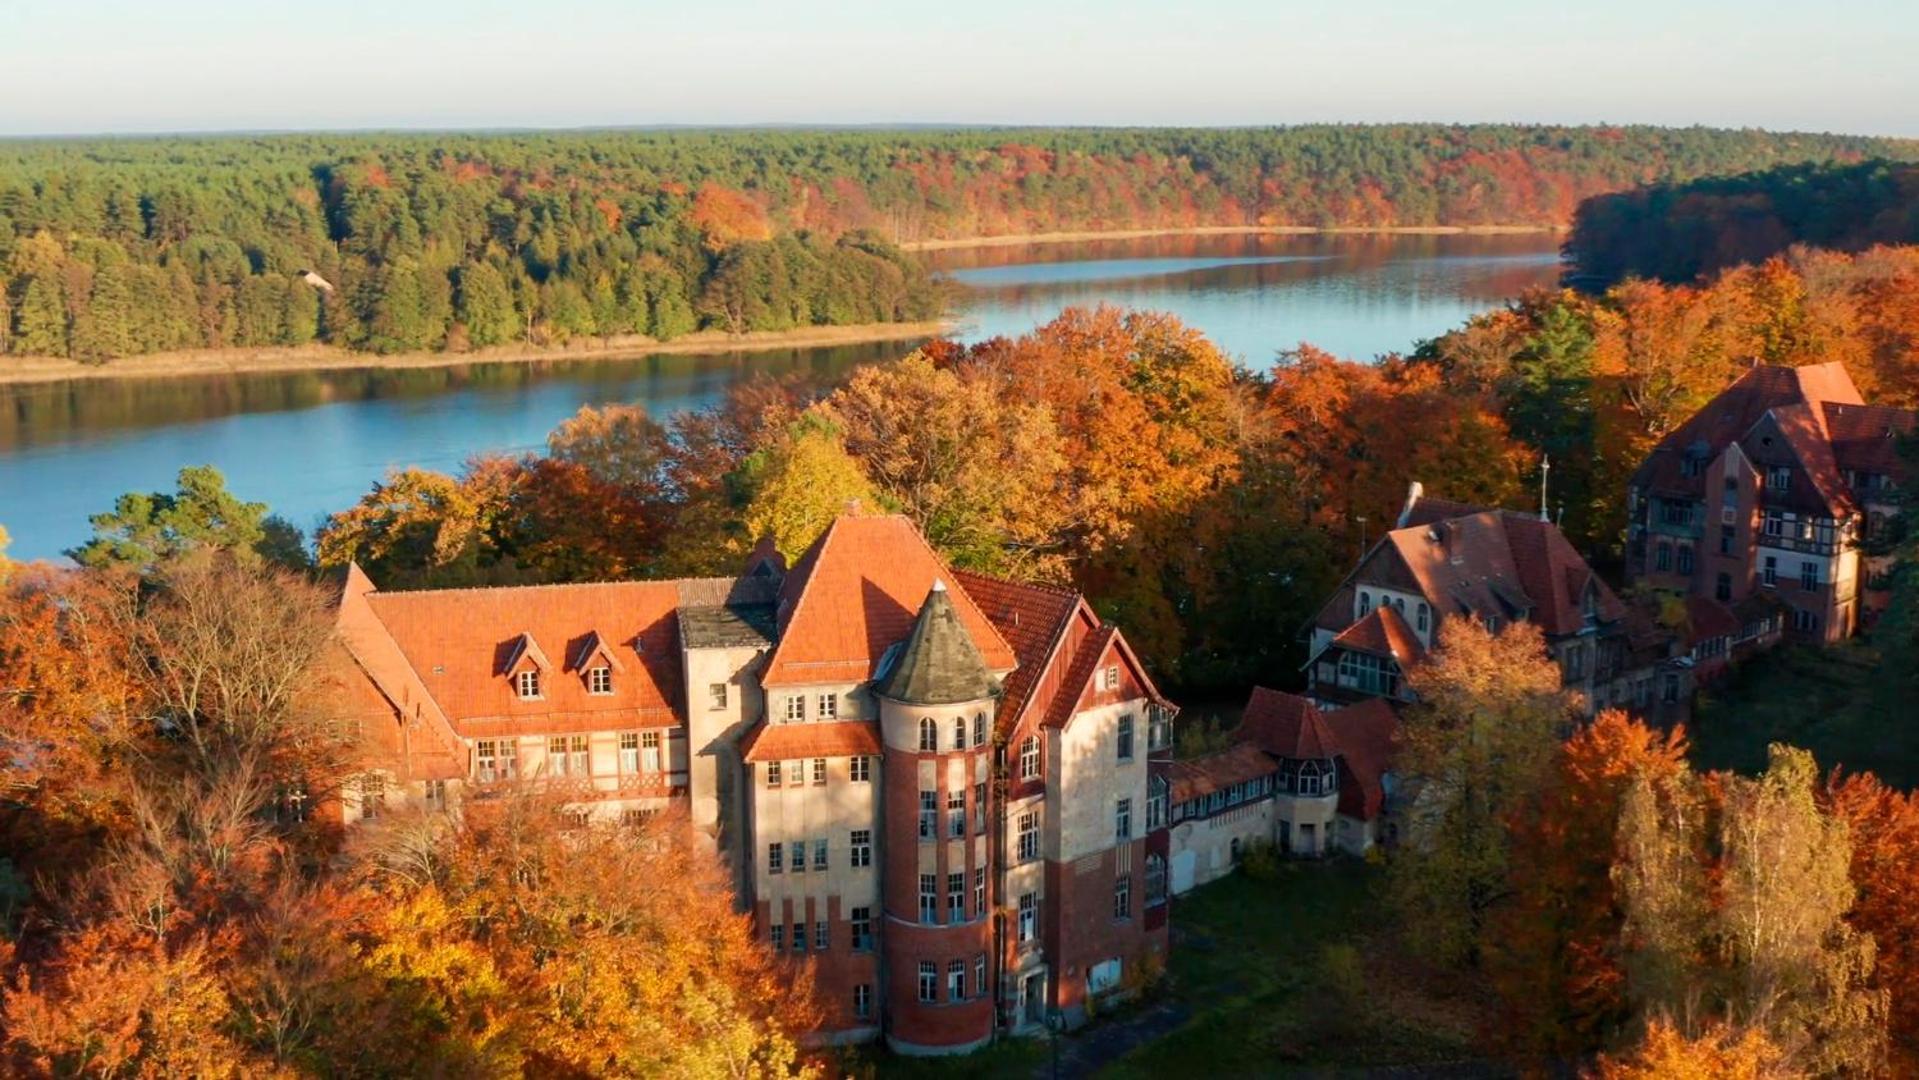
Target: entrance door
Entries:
(1033, 998)
(1308, 843)
(1285, 838)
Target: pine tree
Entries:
(484, 305)
(42, 320)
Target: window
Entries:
(1779, 478)
(1028, 918)
(819, 770)
(819, 854)
(799, 937)
(1769, 574)
(1155, 880)
(959, 733)
(1662, 558)
(496, 759)
(929, 981)
(372, 796)
(650, 760)
(1029, 758)
(819, 936)
(1125, 743)
(956, 814)
(778, 938)
(929, 898)
(956, 981)
(1365, 603)
(566, 756)
(1112, 676)
(979, 974)
(1159, 728)
(863, 1001)
(979, 807)
(629, 751)
(862, 847)
(1156, 797)
(1671, 693)
(1123, 897)
(1028, 836)
(829, 706)
(929, 735)
(799, 856)
(1425, 618)
(1804, 621)
(956, 897)
(1726, 535)
(862, 770)
(860, 924)
(1809, 575)
(979, 729)
(979, 892)
(716, 696)
(1685, 559)
(1675, 513)
(1123, 820)
(929, 813)
(775, 853)
(1722, 588)
(529, 683)
(772, 774)
(599, 680)
(795, 709)
(1575, 661)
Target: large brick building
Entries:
(1759, 501)
(943, 792)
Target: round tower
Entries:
(936, 700)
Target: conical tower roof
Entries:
(939, 663)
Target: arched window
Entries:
(959, 733)
(1365, 603)
(929, 735)
(1425, 618)
(1399, 605)
(979, 729)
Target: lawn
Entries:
(1298, 974)
(1822, 700)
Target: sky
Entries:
(91, 66)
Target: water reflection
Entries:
(310, 443)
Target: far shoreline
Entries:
(290, 360)
(1087, 235)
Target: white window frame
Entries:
(599, 681)
(527, 684)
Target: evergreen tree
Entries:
(42, 320)
(147, 528)
(105, 329)
(484, 306)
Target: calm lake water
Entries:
(309, 444)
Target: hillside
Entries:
(114, 247)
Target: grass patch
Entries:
(1826, 700)
(1298, 973)
(1011, 1056)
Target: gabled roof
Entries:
(854, 594)
(1866, 437)
(1383, 632)
(1201, 776)
(791, 742)
(437, 756)
(591, 646)
(457, 645)
(1707, 618)
(1033, 619)
(938, 664)
(1368, 736)
(1286, 726)
(1731, 414)
(525, 648)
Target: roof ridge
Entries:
(1056, 590)
(555, 585)
(817, 550)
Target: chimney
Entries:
(1413, 492)
(1545, 472)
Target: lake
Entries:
(308, 444)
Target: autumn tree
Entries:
(1717, 1054)
(798, 486)
(1884, 828)
(1480, 744)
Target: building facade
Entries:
(945, 794)
(1760, 502)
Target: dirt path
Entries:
(42, 369)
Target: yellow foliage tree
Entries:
(800, 484)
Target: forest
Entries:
(1677, 232)
(459, 241)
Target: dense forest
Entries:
(115, 247)
(1676, 232)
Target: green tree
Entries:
(800, 484)
(484, 305)
(42, 320)
(145, 529)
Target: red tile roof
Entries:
(1368, 735)
(1707, 618)
(854, 594)
(1286, 725)
(1383, 632)
(459, 643)
(1866, 437)
(1499, 564)
(1033, 620)
(791, 742)
(1426, 509)
(1201, 776)
(392, 692)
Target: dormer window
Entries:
(1779, 478)
(599, 680)
(528, 684)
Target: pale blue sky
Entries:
(137, 65)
